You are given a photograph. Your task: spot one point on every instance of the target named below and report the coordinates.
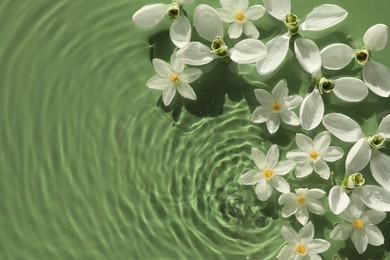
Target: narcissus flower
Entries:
(152, 14)
(276, 106)
(376, 75)
(209, 26)
(268, 173)
(240, 17)
(172, 77)
(301, 245)
(321, 18)
(359, 224)
(313, 154)
(366, 148)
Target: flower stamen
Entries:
(301, 200)
(268, 173)
(276, 106)
(314, 155)
(240, 16)
(301, 249)
(358, 224)
(174, 78)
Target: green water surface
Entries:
(92, 168)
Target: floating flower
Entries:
(300, 202)
(276, 106)
(302, 245)
(346, 88)
(366, 148)
(373, 196)
(209, 26)
(268, 173)
(172, 77)
(359, 225)
(376, 75)
(151, 15)
(313, 155)
(240, 17)
(321, 18)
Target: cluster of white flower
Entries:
(350, 196)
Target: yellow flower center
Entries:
(268, 173)
(240, 16)
(276, 106)
(301, 249)
(174, 78)
(301, 199)
(314, 155)
(358, 224)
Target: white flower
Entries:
(275, 107)
(302, 245)
(359, 225)
(300, 202)
(172, 77)
(268, 173)
(312, 154)
(152, 14)
(373, 196)
(365, 148)
(209, 26)
(346, 88)
(321, 18)
(240, 17)
(376, 75)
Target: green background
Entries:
(91, 168)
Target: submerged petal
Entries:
(180, 31)
(338, 200)
(158, 82)
(263, 190)
(336, 56)
(377, 77)
(186, 91)
(358, 157)
(248, 51)
(312, 110)
(190, 75)
(150, 15)
(207, 22)
(380, 168)
(350, 89)
(308, 55)
(250, 178)
(323, 17)
(278, 8)
(259, 158)
(376, 37)
(162, 68)
(273, 123)
(260, 114)
(168, 95)
(343, 127)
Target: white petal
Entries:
(278, 8)
(318, 246)
(259, 158)
(240, 5)
(308, 55)
(168, 95)
(272, 157)
(376, 37)
(343, 127)
(303, 171)
(260, 115)
(293, 101)
(303, 142)
(289, 117)
(176, 64)
(158, 82)
(312, 110)
(263, 190)
(315, 207)
(377, 78)
(287, 197)
(263, 97)
(302, 215)
(380, 168)
(195, 53)
(190, 75)
(375, 236)
(226, 14)
(207, 22)
(284, 167)
(186, 91)
(185, 1)
(358, 157)
(280, 91)
(285, 253)
(180, 31)
(375, 197)
(280, 184)
(277, 49)
(162, 68)
(290, 208)
(374, 217)
(235, 30)
(341, 231)
(323, 17)
(322, 169)
(384, 126)
(248, 51)
(316, 193)
(297, 156)
(250, 178)
(289, 235)
(350, 89)
(332, 154)
(360, 240)
(322, 140)
(150, 15)
(338, 200)
(336, 56)
(250, 30)
(273, 123)
(254, 12)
